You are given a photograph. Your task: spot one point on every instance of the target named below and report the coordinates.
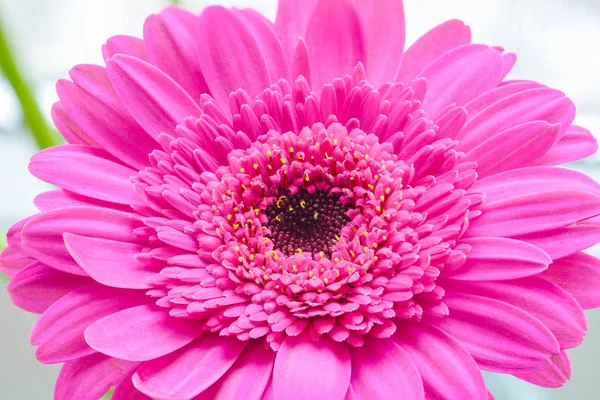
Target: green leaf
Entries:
(3, 277)
(43, 134)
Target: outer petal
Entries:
(327, 377)
(563, 242)
(542, 299)
(247, 378)
(486, 99)
(109, 262)
(223, 41)
(493, 259)
(460, 75)
(126, 391)
(554, 376)
(576, 144)
(87, 171)
(124, 44)
(152, 98)
(381, 369)
(89, 378)
(188, 372)
(541, 104)
(37, 287)
(169, 41)
(59, 331)
(13, 261)
(499, 336)
(262, 29)
(334, 40)
(291, 21)
(55, 199)
(67, 127)
(579, 275)
(385, 33)
(513, 148)
(42, 235)
(95, 107)
(432, 352)
(442, 38)
(141, 333)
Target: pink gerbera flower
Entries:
(249, 210)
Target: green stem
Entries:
(175, 2)
(42, 133)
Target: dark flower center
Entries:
(307, 222)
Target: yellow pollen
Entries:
(382, 198)
(214, 207)
(236, 226)
(269, 153)
(236, 209)
(336, 259)
(306, 177)
(387, 190)
(255, 166)
(352, 253)
(310, 274)
(322, 270)
(278, 218)
(223, 196)
(299, 250)
(229, 192)
(371, 186)
(303, 203)
(300, 156)
(326, 281)
(335, 142)
(241, 259)
(378, 208)
(256, 211)
(283, 160)
(291, 149)
(294, 268)
(237, 248)
(350, 270)
(375, 258)
(374, 245)
(298, 283)
(366, 249)
(251, 257)
(266, 277)
(317, 144)
(269, 166)
(291, 209)
(366, 157)
(257, 281)
(242, 170)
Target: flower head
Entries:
(302, 209)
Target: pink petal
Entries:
(534, 212)
(247, 378)
(439, 40)
(291, 22)
(13, 261)
(327, 377)
(126, 391)
(301, 65)
(488, 98)
(59, 331)
(460, 75)
(334, 40)
(97, 110)
(563, 242)
(169, 40)
(432, 351)
(381, 369)
(554, 376)
(89, 378)
(541, 104)
(385, 33)
(152, 98)
(87, 171)
(124, 44)
(223, 41)
(579, 275)
(37, 287)
(188, 372)
(65, 125)
(540, 298)
(54, 199)
(513, 148)
(499, 336)
(510, 59)
(533, 180)
(42, 235)
(262, 29)
(493, 258)
(577, 143)
(109, 262)
(141, 333)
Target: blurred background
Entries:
(557, 41)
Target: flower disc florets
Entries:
(315, 222)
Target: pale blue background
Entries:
(558, 42)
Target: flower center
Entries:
(307, 222)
